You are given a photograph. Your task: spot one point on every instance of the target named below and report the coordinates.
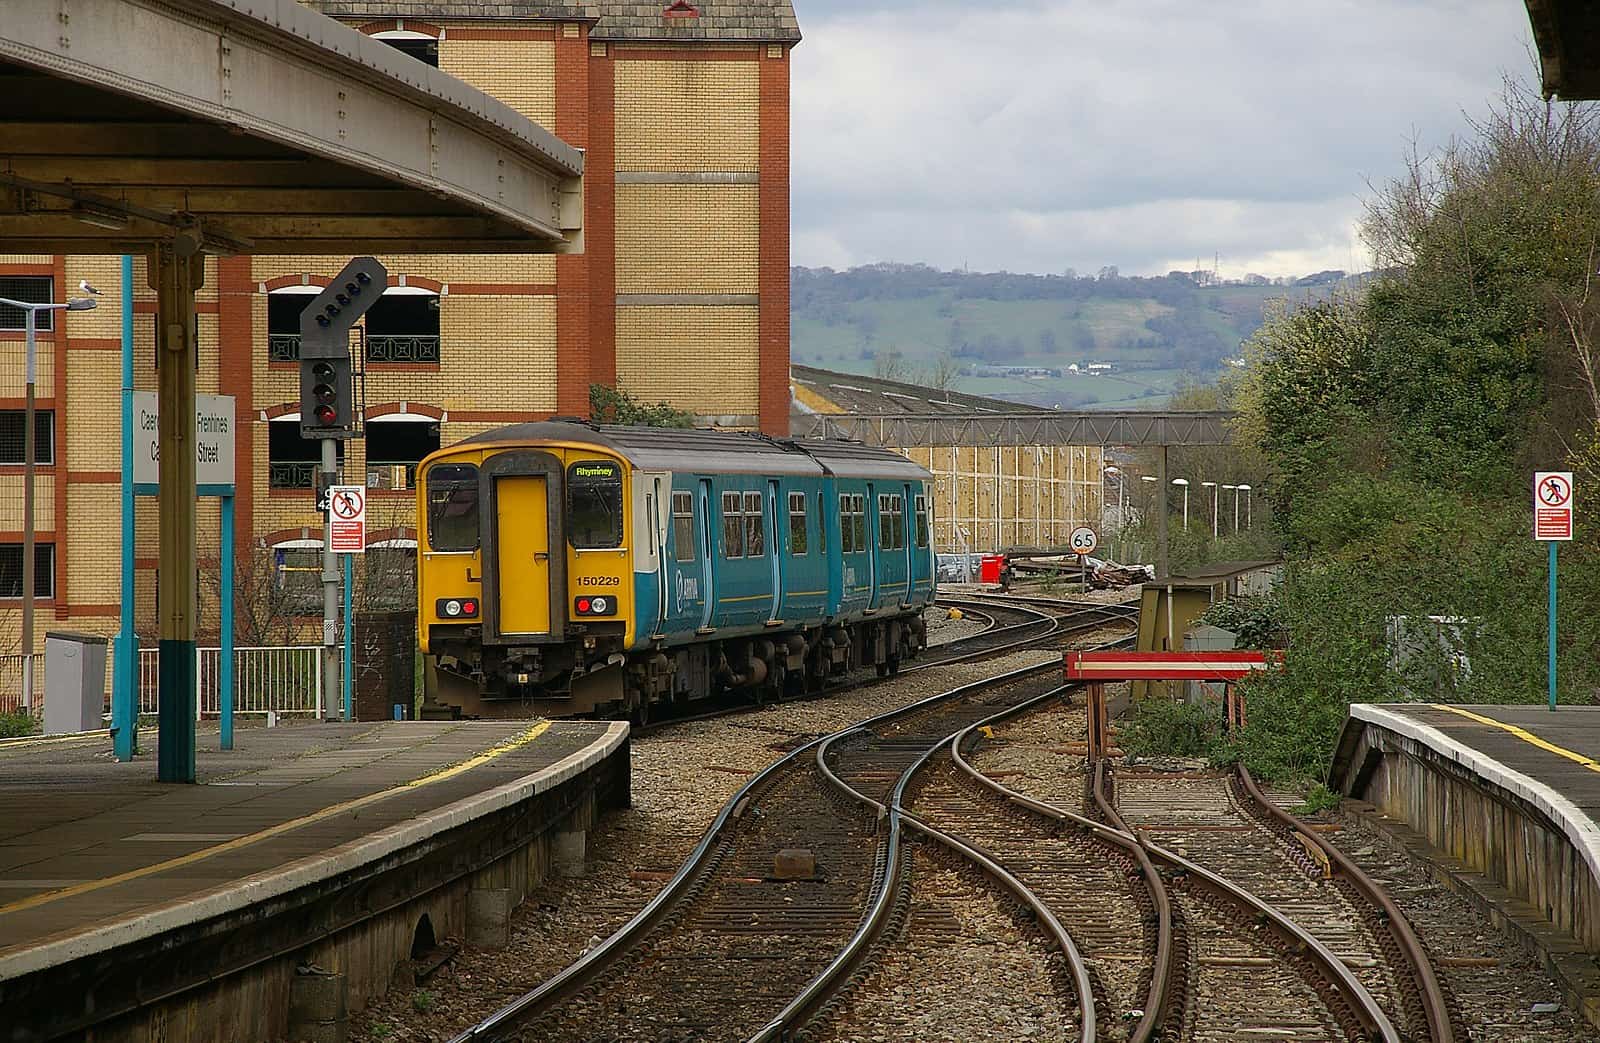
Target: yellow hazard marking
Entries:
(515, 742)
(1523, 734)
(988, 732)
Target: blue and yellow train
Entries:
(568, 568)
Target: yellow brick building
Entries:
(682, 111)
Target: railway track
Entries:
(730, 950)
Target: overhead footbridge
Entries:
(180, 128)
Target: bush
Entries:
(1162, 727)
(16, 723)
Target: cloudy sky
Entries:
(1041, 135)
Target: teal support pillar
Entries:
(125, 662)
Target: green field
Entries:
(898, 321)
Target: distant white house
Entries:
(1095, 369)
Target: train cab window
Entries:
(755, 543)
(922, 521)
(797, 524)
(452, 507)
(683, 527)
(594, 504)
(732, 526)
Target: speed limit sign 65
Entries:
(1083, 540)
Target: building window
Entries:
(423, 48)
(390, 575)
(797, 524)
(292, 461)
(453, 507)
(403, 326)
(299, 576)
(755, 542)
(732, 526)
(395, 446)
(44, 570)
(13, 428)
(30, 289)
(683, 548)
(283, 321)
(922, 521)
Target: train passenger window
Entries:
(452, 507)
(797, 524)
(897, 511)
(755, 543)
(850, 541)
(594, 504)
(683, 526)
(858, 515)
(732, 526)
(922, 521)
(885, 522)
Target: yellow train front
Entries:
(565, 568)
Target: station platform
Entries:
(1508, 799)
(129, 906)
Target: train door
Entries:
(776, 543)
(522, 553)
(658, 533)
(908, 540)
(874, 537)
(708, 592)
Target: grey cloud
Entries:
(923, 133)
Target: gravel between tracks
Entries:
(942, 629)
(962, 972)
(682, 775)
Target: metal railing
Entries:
(11, 680)
(410, 347)
(283, 347)
(279, 678)
(291, 474)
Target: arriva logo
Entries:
(594, 471)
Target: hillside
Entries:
(1016, 336)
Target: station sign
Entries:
(1083, 541)
(1552, 505)
(347, 510)
(1166, 666)
(213, 439)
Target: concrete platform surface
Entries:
(95, 853)
(1550, 758)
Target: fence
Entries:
(283, 679)
(11, 681)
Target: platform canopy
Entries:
(258, 126)
(1567, 34)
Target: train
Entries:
(566, 568)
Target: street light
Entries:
(1214, 497)
(1122, 499)
(1235, 489)
(31, 312)
(1185, 483)
(1247, 498)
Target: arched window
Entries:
(401, 326)
(420, 46)
(292, 461)
(396, 443)
(284, 306)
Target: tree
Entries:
(890, 364)
(943, 373)
(609, 405)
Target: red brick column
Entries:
(573, 307)
(772, 256)
(236, 377)
(599, 218)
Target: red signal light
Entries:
(583, 604)
(326, 414)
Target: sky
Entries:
(1038, 136)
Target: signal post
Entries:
(328, 413)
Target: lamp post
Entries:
(1235, 489)
(1247, 499)
(1185, 483)
(1215, 493)
(1122, 504)
(29, 451)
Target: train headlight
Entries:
(457, 608)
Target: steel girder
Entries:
(1123, 428)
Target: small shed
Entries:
(1170, 606)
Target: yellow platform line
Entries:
(515, 742)
(1523, 734)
